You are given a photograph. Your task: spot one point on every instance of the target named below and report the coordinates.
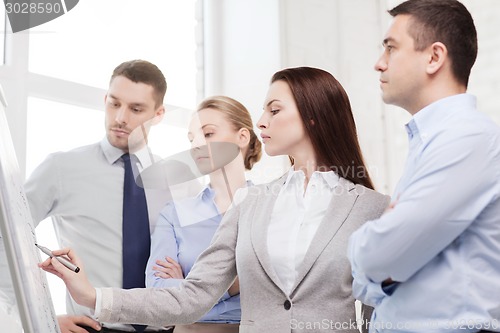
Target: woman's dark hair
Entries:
(328, 121)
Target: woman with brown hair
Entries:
(286, 240)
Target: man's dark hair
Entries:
(142, 71)
(445, 21)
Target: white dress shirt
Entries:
(295, 219)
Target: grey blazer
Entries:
(321, 299)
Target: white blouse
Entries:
(295, 219)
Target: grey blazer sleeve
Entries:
(379, 204)
(211, 276)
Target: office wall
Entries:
(242, 50)
(344, 37)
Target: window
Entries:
(89, 41)
(3, 28)
(82, 48)
(54, 126)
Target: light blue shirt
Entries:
(441, 242)
(184, 230)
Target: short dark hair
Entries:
(328, 121)
(445, 21)
(142, 71)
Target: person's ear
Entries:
(243, 137)
(159, 113)
(438, 54)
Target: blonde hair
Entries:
(239, 117)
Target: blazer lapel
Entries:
(262, 215)
(337, 212)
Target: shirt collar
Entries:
(329, 177)
(429, 119)
(209, 193)
(113, 154)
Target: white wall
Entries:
(242, 52)
(485, 77)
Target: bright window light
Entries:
(84, 46)
(89, 41)
(2, 36)
(55, 127)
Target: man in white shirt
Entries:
(82, 189)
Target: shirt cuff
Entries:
(105, 305)
(98, 302)
(367, 291)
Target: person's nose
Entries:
(381, 64)
(198, 141)
(263, 122)
(122, 115)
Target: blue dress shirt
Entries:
(184, 230)
(441, 242)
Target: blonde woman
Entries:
(220, 127)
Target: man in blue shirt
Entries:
(432, 262)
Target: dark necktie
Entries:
(136, 235)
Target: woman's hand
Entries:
(168, 269)
(77, 284)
